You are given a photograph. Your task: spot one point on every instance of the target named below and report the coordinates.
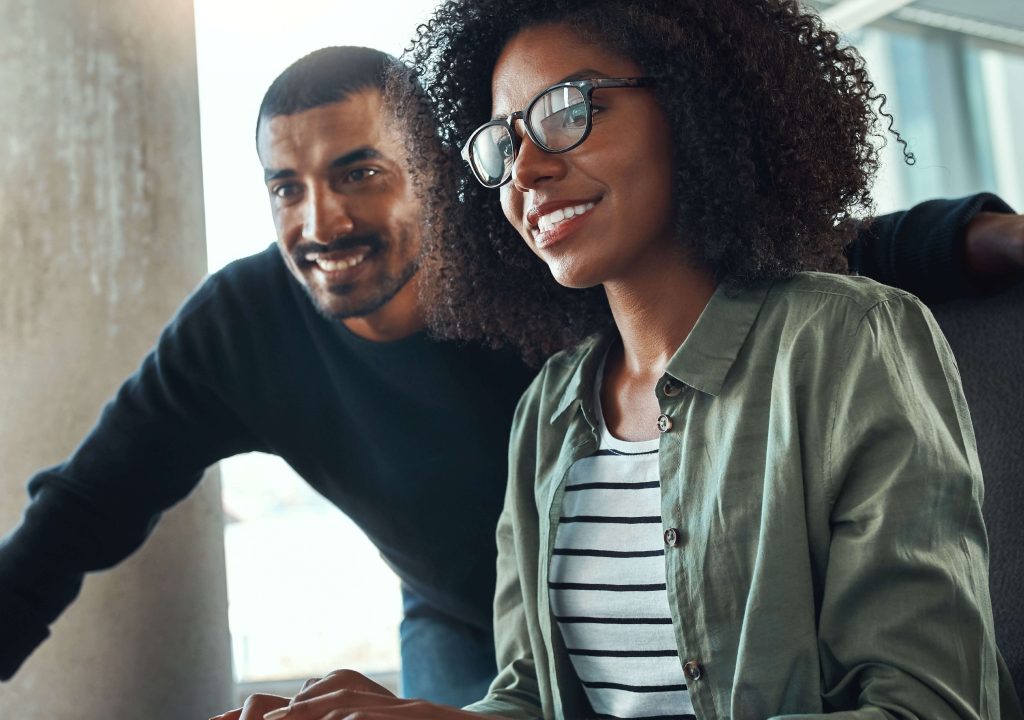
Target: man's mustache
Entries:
(372, 241)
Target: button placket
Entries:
(670, 389)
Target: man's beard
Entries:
(389, 287)
(382, 291)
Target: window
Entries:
(954, 100)
(295, 611)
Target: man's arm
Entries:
(148, 450)
(943, 249)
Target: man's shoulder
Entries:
(244, 285)
(259, 269)
(248, 302)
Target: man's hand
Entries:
(994, 246)
(343, 694)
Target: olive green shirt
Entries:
(821, 501)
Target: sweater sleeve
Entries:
(148, 450)
(921, 250)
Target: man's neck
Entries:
(398, 318)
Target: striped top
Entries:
(607, 585)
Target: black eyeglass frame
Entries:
(586, 88)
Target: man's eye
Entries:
(285, 190)
(360, 174)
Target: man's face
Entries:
(346, 216)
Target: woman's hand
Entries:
(343, 694)
(256, 706)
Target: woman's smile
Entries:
(554, 221)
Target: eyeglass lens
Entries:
(557, 119)
(493, 154)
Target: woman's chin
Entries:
(571, 275)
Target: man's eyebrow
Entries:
(272, 174)
(363, 153)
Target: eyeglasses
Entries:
(557, 120)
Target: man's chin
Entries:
(339, 304)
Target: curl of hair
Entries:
(774, 126)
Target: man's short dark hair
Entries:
(325, 76)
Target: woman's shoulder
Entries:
(855, 291)
(839, 312)
(837, 300)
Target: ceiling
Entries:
(1000, 20)
(996, 12)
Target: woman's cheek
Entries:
(512, 206)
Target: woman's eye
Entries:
(576, 115)
(505, 147)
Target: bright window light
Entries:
(308, 592)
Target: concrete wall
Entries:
(102, 237)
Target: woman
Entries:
(744, 490)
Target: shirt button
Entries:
(692, 670)
(671, 389)
(664, 423)
(671, 537)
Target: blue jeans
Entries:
(443, 660)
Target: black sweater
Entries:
(408, 438)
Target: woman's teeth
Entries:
(548, 222)
(336, 265)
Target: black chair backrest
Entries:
(987, 337)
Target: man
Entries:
(315, 351)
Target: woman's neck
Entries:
(655, 312)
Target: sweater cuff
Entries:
(21, 635)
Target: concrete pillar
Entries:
(101, 215)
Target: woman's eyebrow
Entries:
(584, 74)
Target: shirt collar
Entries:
(703, 360)
(587, 358)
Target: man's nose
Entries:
(327, 217)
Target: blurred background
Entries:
(130, 170)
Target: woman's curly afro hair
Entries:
(773, 125)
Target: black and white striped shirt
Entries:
(607, 585)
